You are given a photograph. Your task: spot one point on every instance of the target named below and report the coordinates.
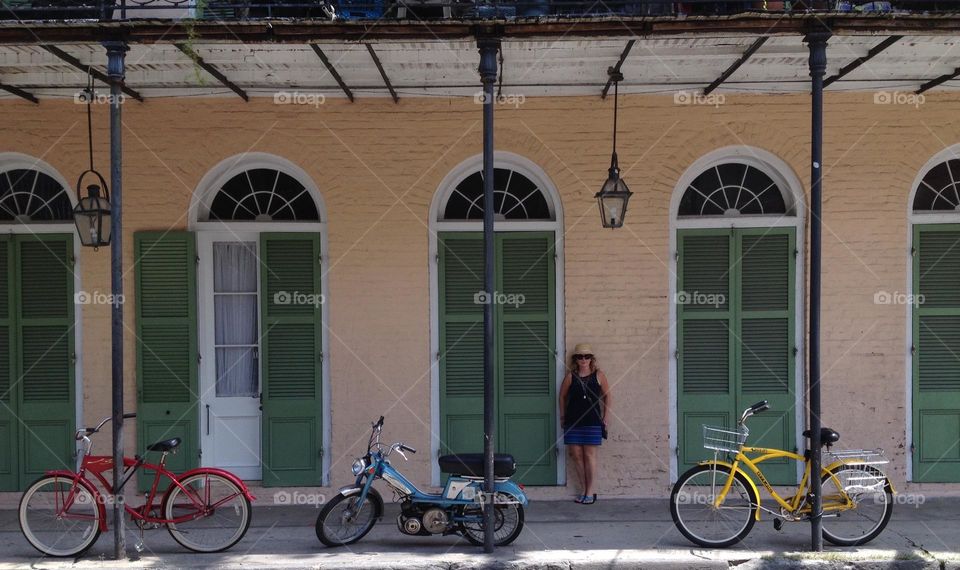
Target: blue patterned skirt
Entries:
(583, 435)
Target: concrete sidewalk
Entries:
(610, 534)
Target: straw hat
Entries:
(583, 348)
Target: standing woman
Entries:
(584, 405)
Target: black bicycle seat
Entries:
(165, 445)
(827, 436)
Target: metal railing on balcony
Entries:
(106, 10)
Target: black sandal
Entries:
(589, 500)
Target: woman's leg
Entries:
(576, 455)
(589, 468)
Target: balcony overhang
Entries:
(747, 53)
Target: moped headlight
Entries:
(358, 466)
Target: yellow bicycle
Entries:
(716, 503)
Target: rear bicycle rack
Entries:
(868, 478)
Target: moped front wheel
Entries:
(508, 521)
(345, 520)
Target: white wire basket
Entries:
(724, 439)
(868, 478)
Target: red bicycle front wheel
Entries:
(59, 518)
(212, 512)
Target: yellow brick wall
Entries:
(378, 165)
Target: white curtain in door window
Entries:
(235, 269)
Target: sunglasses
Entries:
(583, 356)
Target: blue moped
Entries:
(351, 514)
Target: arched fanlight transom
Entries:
(733, 189)
(263, 194)
(516, 197)
(939, 190)
(29, 195)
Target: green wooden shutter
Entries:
(735, 307)
(527, 366)
(167, 355)
(461, 342)
(9, 450)
(705, 344)
(45, 351)
(765, 327)
(291, 305)
(936, 355)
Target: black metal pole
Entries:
(489, 46)
(817, 42)
(116, 53)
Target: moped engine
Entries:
(435, 520)
(409, 525)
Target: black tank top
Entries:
(583, 402)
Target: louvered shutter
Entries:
(705, 343)
(526, 341)
(765, 326)
(735, 307)
(936, 358)
(461, 342)
(9, 450)
(46, 351)
(291, 310)
(166, 346)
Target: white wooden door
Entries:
(228, 276)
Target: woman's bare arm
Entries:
(564, 389)
(604, 394)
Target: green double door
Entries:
(37, 382)
(525, 353)
(290, 359)
(736, 316)
(936, 353)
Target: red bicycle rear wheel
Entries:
(213, 511)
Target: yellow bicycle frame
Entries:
(795, 505)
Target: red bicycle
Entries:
(205, 509)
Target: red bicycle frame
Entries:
(98, 464)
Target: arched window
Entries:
(516, 197)
(734, 189)
(939, 190)
(28, 195)
(263, 194)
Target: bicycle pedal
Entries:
(778, 525)
(139, 546)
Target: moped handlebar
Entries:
(405, 447)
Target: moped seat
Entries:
(471, 464)
(827, 436)
(165, 445)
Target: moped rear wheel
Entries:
(59, 518)
(214, 512)
(508, 521)
(344, 520)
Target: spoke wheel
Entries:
(216, 513)
(58, 518)
(342, 521)
(857, 504)
(693, 510)
(508, 521)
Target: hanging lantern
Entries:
(614, 194)
(92, 213)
